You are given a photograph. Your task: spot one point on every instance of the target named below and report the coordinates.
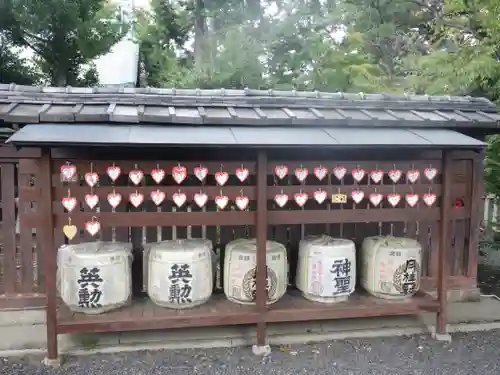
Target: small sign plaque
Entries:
(339, 198)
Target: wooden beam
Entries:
(444, 242)
(49, 252)
(476, 214)
(261, 243)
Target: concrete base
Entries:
(23, 332)
(54, 363)
(460, 295)
(262, 351)
(444, 337)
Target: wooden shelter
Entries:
(223, 130)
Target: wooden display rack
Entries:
(261, 188)
(441, 229)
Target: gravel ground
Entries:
(467, 354)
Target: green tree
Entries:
(14, 68)
(63, 34)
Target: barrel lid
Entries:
(189, 244)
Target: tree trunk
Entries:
(200, 28)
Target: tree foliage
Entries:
(63, 34)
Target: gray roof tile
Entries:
(27, 104)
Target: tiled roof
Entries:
(29, 104)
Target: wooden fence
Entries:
(21, 278)
(21, 268)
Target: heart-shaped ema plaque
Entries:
(358, 174)
(357, 196)
(221, 201)
(320, 196)
(91, 178)
(136, 176)
(69, 203)
(430, 173)
(200, 199)
(395, 175)
(91, 200)
(242, 174)
(281, 171)
(301, 174)
(413, 175)
(113, 172)
(281, 199)
(179, 174)
(221, 178)
(393, 199)
(68, 171)
(114, 199)
(301, 199)
(411, 199)
(157, 197)
(241, 202)
(92, 227)
(429, 199)
(339, 172)
(376, 198)
(158, 175)
(70, 231)
(201, 173)
(377, 175)
(179, 199)
(136, 199)
(320, 172)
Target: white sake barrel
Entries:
(240, 264)
(180, 273)
(95, 277)
(391, 266)
(326, 269)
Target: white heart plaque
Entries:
(221, 178)
(376, 198)
(200, 199)
(221, 201)
(320, 196)
(91, 200)
(157, 197)
(281, 171)
(411, 199)
(241, 202)
(179, 199)
(114, 199)
(429, 199)
(281, 200)
(357, 196)
(69, 203)
(301, 199)
(393, 199)
(92, 227)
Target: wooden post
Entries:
(46, 226)
(476, 214)
(261, 297)
(444, 241)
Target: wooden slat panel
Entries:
(25, 175)
(7, 175)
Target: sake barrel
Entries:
(391, 266)
(95, 277)
(326, 269)
(180, 273)
(240, 265)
